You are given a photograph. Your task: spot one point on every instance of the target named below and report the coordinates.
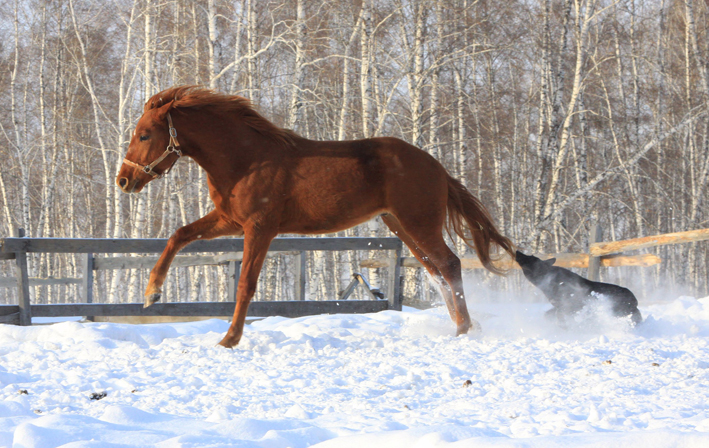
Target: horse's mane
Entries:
(202, 97)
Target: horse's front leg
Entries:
(256, 244)
(210, 226)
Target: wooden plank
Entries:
(233, 279)
(396, 300)
(11, 282)
(157, 245)
(87, 281)
(10, 319)
(6, 310)
(23, 284)
(147, 262)
(256, 309)
(7, 256)
(564, 260)
(648, 241)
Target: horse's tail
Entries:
(465, 211)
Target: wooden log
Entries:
(564, 260)
(256, 309)
(157, 245)
(643, 260)
(594, 263)
(606, 248)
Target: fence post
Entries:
(233, 278)
(394, 290)
(594, 263)
(300, 263)
(23, 284)
(87, 281)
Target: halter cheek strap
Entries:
(172, 148)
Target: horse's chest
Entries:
(245, 198)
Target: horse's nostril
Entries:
(123, 182)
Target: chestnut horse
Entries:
(265, 180)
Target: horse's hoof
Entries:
(472, 327)
(228, 342)
(151, 299)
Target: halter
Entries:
(172, 148)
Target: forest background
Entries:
(557, 114)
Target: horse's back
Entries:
(353, 181)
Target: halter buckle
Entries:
(173, 149)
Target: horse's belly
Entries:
(327, 212)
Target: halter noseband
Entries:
(172, 148)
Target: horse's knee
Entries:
(179, 237)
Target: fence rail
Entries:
(18, 247)
(605, 254)
(691, 236)
(564, 260)
(157, 245)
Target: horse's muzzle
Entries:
(128, 186)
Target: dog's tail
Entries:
(468, 218)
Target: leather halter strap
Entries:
(172, 148)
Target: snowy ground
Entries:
(379, 380)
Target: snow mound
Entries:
(376, 380)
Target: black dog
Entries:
(569, 292)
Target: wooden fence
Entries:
(17, 249)
(600, 254)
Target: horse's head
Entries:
(152, 151)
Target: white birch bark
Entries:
(415, 73)
(296, 97)
(434, 138)
(344, 108)
(240, 9)
(95, 108)
(19, 145)
(212, 42)
(366, 47)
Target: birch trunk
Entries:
(296, 100)
(344, 108)
(19, 145)
(366, 47)
(107, 171)
(584, 16)
(212, 43)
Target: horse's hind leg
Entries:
(433, 252)
(396, 228)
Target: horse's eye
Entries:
(144, 138)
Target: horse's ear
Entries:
(550, 261)
(162, 111)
